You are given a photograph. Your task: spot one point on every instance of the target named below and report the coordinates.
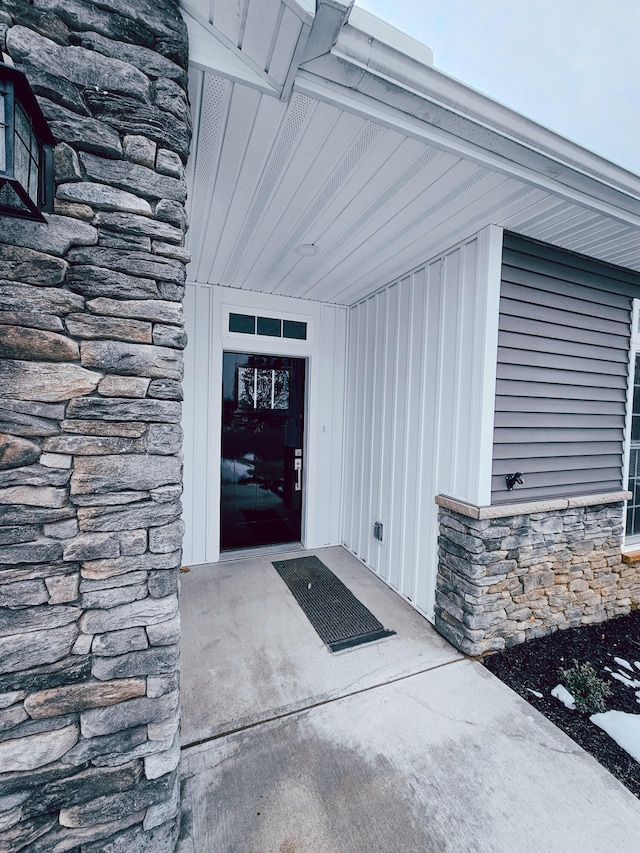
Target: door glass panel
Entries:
(280, 389)
(260, 388)
(264, 389)
(246, 388)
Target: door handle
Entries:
(297, 467)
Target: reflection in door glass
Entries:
(246, 388)
(263, 389)
(280, 385)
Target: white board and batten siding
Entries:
(420, 391)
(562, 375)
(207, 309)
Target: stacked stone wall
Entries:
(502, 581)
(91, 340)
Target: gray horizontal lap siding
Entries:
(563, 355)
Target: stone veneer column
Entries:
(91, 340)
(508, 574)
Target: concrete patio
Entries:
(400, 745)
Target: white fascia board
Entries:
(428, 128)
(383, 73)
(209, 54)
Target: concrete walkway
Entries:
(402, 745)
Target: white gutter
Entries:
(390, 36)
(397, 74)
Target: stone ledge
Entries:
(528, 507)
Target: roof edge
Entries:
(376, 69)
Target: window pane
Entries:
(245, 323)
(23, 126)
(25, 167)
(291, 329)
(270, 327)
(20, 162)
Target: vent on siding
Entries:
(215, 96)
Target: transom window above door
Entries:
(270, 327)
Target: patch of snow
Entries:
(561, 693)
(624, 679)
(637, 663)
(535, 693)
(624, 728)
(624, 663)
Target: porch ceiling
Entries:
(376, 190)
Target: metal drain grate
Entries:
(340, 620)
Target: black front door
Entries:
(262, 430)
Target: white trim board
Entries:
(207, 308)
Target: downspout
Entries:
(330, 17)
(318, 38)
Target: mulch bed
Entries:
(535, 665)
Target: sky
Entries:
(571, 65)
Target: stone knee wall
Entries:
(502, 581)
(91, 340)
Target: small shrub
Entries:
(588, 690)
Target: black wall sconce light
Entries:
(512, 479)
(26, 149)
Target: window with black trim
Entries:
(269, 327)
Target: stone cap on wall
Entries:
(528, 507)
